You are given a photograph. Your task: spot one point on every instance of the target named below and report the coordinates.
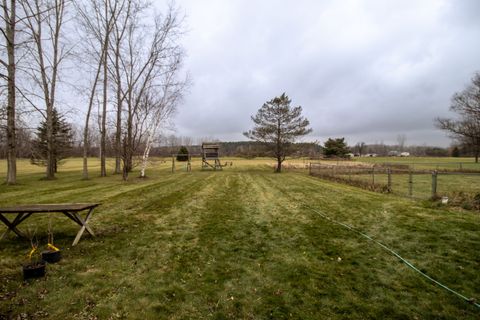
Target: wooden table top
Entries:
(57, 207)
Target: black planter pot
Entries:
(36, 270)
(51, 256)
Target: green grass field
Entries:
(460, 187)
(242, 243)
(427, 163)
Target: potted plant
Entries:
(52, 254)
(35, 267)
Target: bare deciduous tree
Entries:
(118, 34)
(401, 139)
(97, 20)
(159, 107)
(466, 128)
(44, 21)
(148, 59)
(8, 31)
(360, 148)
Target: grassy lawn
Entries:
(447, 184)
(462, 187)
(427, 163)
(243, 243)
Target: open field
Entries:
(242, 243)
(457, 178)
(427, 163)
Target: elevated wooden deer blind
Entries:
(210, 156)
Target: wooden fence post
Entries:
(389, 181)
(434, 184)
(373, 177)
(410, 183)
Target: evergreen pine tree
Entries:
(62, 141)
(182, 154)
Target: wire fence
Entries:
(457, 186)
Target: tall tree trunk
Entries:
(124, 156)
(128, 164)
(50, 174)
(103, 130)
(59, 11)
(279, 165)
(89, 111)
(118, 133)
(146, 153)
(118, 31)
(11, 136)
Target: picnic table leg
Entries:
(75, 216)
(12, 226)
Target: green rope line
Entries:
(408, 263)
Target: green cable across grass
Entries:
(390, 250)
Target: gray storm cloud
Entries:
(366, 70)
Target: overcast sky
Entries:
(364, 70)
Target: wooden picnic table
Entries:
(71, 210)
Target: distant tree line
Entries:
(171, 144)
(244, 149)
(381, 149)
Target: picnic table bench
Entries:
(71, 210)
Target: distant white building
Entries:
(405, 154)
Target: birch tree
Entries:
(145, 69)
(158, 110)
